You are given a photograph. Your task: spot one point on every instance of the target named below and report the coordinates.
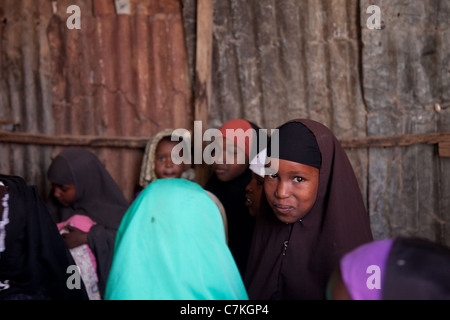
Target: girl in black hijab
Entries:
(312, 213)
(82, 186)
(34, 260)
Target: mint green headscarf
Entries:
(171, 246)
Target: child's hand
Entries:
(74, 237)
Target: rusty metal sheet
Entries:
(118, 75)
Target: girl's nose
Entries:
(56, 192)
(282, 190)
(169, 162)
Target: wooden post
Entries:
(205, 14)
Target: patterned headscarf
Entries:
(148, 173)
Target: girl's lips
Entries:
(220, 170)
(284, 209)
(169, 174)
(248, 202)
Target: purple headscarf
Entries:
(363, 269)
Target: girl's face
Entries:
(66, 194)
(164, 166)
(233, 168)
(253, 193)
(292, 191)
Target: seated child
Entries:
(83, 187)
(158, 163)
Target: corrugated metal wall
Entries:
(406, 70)
(119, 75)
(277, 60)
(272, 61)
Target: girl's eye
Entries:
(298, 179)
(273, 176)
(259, 182)
(162, 159)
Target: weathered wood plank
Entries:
(69, 140)
(442, 139)
(203, 60)
(444, 149)
(402, 140)
(203, 75)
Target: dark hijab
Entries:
(240, 223)
(97, 196)
(33, 256)
(294, 261)
(417, 269)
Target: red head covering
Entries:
(242, 138)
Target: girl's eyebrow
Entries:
(298, 173)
